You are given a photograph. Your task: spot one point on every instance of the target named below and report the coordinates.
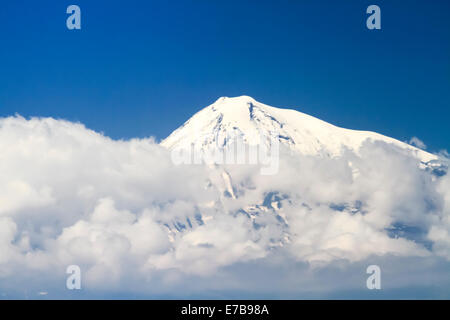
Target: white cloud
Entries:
(128, 216)
(417, 143)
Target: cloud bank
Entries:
(136, 223)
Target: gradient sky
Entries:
(141, 68)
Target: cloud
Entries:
(417, 143)
(135, 222)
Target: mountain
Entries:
(227, 118)
(217, 126)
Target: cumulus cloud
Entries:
(128, 216)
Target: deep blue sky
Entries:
(141, 68)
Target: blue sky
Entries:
(141, 68)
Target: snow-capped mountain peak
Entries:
(243, 116)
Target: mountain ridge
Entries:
(249, 119)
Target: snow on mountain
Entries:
(249, 119)
(217, 126)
